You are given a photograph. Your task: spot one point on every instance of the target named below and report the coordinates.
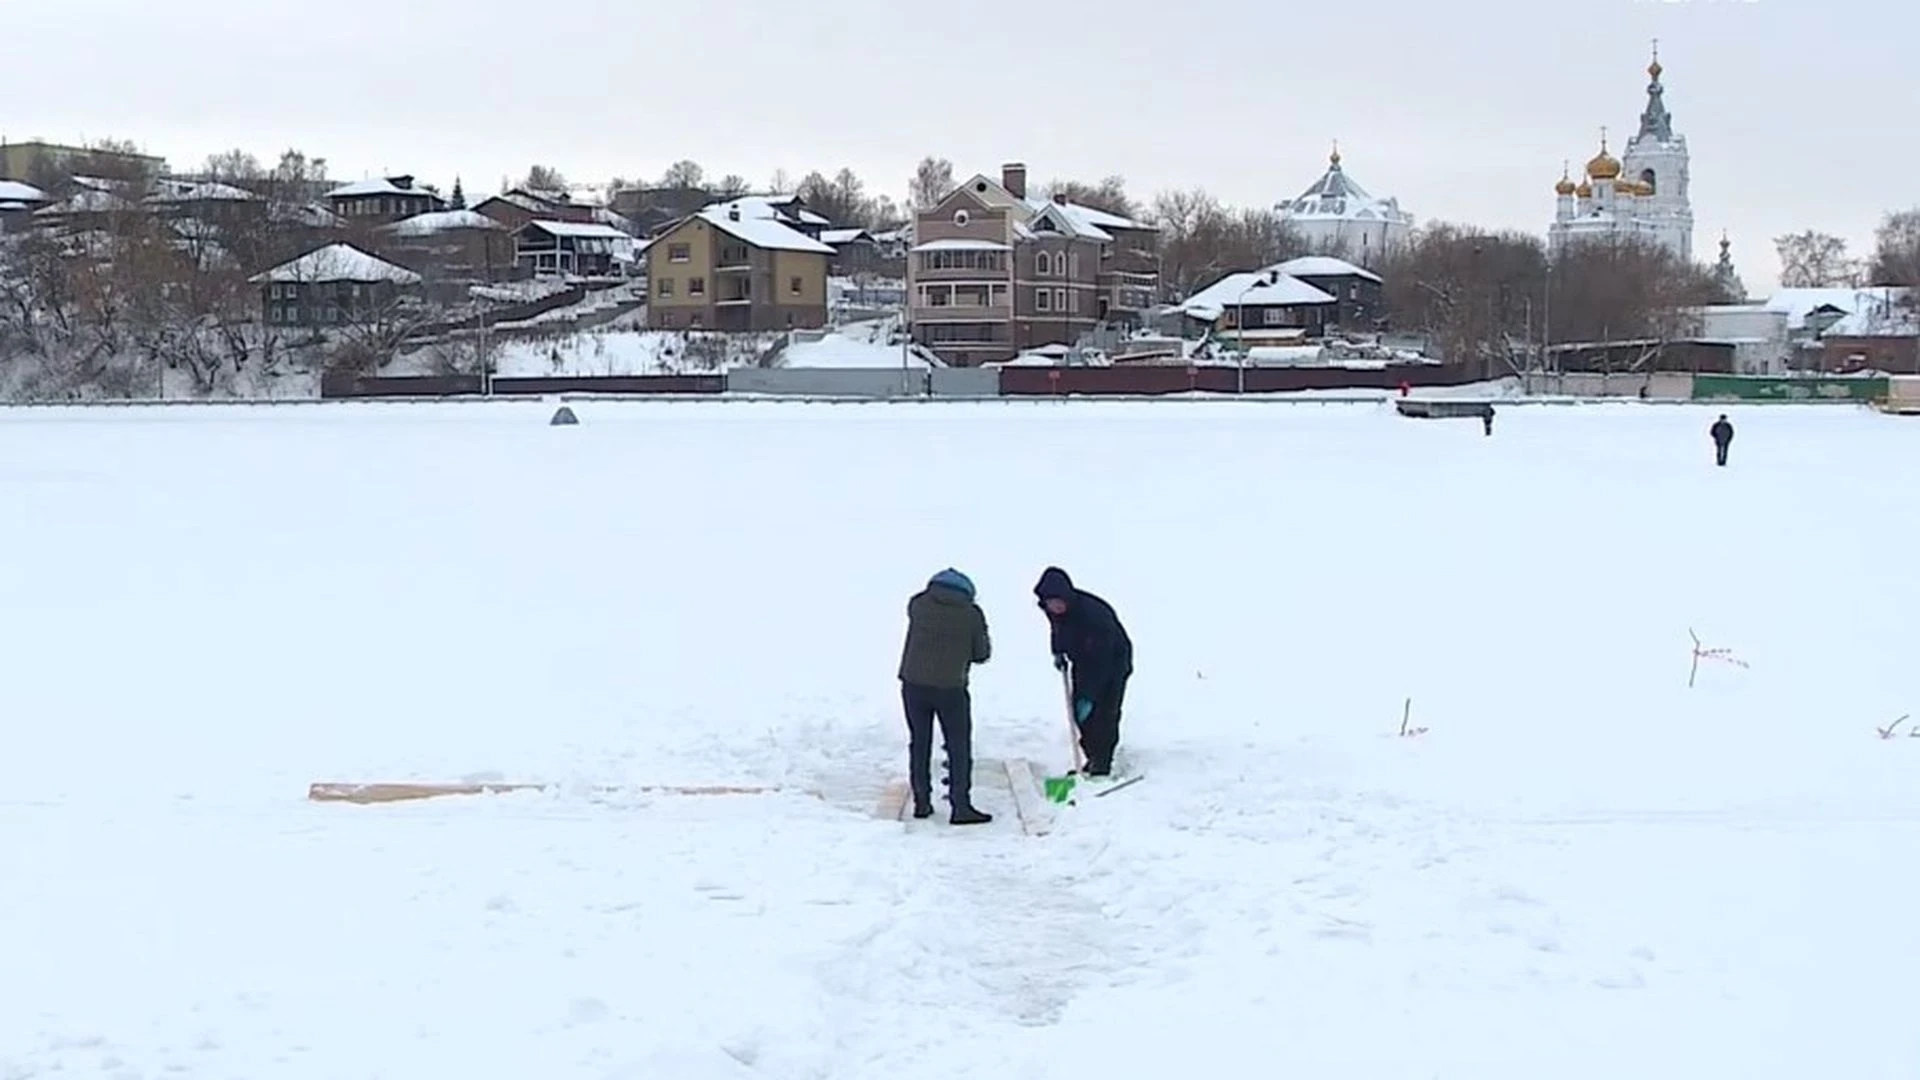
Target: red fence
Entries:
(1119, 381)
(1133, 380)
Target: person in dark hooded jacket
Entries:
(1722, 432)
(1090, 643)
(946, 636)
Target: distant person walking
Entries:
(1486, 417)
(1722, 432)
(946, 636)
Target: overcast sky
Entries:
(1798, 114)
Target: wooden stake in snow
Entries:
(1406, 718)
(1701, 652)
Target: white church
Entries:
(1642, 193)
(1336, 216)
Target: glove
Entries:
(1082, 708)
(1060, 663)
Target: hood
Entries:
(953, 579)
(1054, 584)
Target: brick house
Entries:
(994, 272)
(451, 250)
(743, 265)
(333, 285)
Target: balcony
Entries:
(938, 313)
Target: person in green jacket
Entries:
(946, 636)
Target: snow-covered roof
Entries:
(440, 221)
(378, 186)
(1252, 288)
(201, 191)
(583, 230)
(766, 232)
(1323, 266)
(1882, 312)
(961, 245)
(1335, 195)
(1087, 216)
(88, 201)
(14, 191)
(1063, 220)
(1797, 304)
(12, 206)
(841, 236)
(339, 262)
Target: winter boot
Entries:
(922, 810)
(967, 815)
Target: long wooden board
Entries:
(366, 794)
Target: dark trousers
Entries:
(1100, 731)
(1720, 453)
(952, 708)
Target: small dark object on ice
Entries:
(564, 417)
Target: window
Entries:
(961, 217)
(1059, 299)
(679, 253)
(665, 288)
(796, 286)
(1040, 300)
(1043, 264)
(697, 287)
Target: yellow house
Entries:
(737, 266)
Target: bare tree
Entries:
(1815, 260)
(234, 167)
(731, 186)
(544, 178)
(931, 182)
(781, 183)
(1896, 250)
(1109, 195)
(1202, 240)
(683, 174)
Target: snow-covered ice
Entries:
(1583, 869)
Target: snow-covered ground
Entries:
(1583, 869)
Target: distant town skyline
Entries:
(1464, 113)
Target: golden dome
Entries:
(1564, 187)
(1604, 166)
(1585, 191)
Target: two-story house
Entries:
(388, 199)
(994, 272)
(1357, 292)
(334, 285)
(736, 266)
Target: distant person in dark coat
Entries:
(1089, 643)
(1486, 417)
(946, 636)
(1722, 433)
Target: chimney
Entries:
(1060, 197)
(1013, 177)
(733, 212)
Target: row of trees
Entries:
(1812, 260)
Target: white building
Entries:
(1337, 217)
(1640, 195)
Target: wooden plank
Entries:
(1036, 819)
(366, 794)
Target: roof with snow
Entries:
(580, 230)
(1797, 304)
(440, 221)
(768, 231)
(14, 191)
(837, 237)
(1337, 196)
(1323, 266)
(200, 191)
(339, 262)
(1888, 311)
(962, 245)
(1252, 288)
(1089, 217)
(390, 185)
